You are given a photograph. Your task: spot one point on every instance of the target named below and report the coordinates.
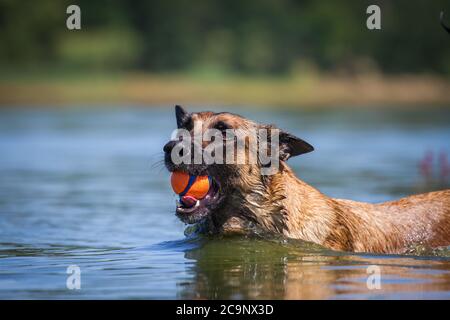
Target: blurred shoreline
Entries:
(306, 91)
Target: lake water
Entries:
(86, 187)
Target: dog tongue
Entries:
(188, 201)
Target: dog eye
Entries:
(222, 126)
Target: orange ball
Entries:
(198, 186)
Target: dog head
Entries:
(239, 156)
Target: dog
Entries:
(241, 200)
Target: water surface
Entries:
(86, 187)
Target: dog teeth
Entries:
(197, 203)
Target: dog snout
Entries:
(169, 146)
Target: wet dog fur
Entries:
(283, 204)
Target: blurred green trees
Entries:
(237, 36)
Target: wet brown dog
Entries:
(242, 200)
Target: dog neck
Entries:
(305, 212)
(283, 204)
(300, 211)
(279, 203)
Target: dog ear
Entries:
(291, 146)
(182, 116)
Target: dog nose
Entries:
(169, 146)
